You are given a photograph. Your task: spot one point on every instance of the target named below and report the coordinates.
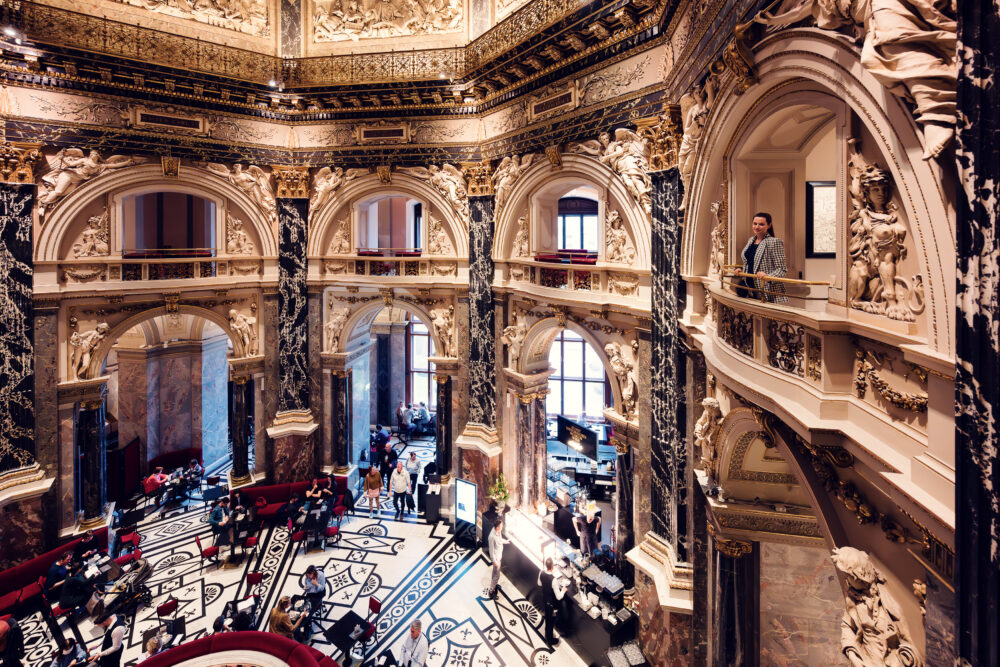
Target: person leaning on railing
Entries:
(764, 257)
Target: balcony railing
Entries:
(804, 294)
(130, 268)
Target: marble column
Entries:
(668, 459)
(241, 396)
(735, 607)
(624, 537)
(527, 482)
(540, 441)
(443, 422)
(977, 440)
(92, 444)
(482, 325)
(341, 430)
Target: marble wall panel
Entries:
(460, 382)
(65, 491)
(664, 636)
(46, 389)
(315, 343)
(340, 437)
(17, 365)
(479, 468)
(977, 439)
(197, 402)
(940, 622)
(361, 397)
(214, 400)
(176, 391)
(291, 28)
(153, 410)
(482, 320)
(642, 493)
(293, 458)
(293, 333)
(21, 534)
(133, 403)
(801, 604)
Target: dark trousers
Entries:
(550, 621)
(399, 501)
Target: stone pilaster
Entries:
(977, 439)
(241, 398)
(340, 430)
(527, 450)
(625, 440)
(91, 439)
(482, 319)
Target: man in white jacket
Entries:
(399, 482)
(414, 651)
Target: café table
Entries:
(339, 634)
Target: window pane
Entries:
(418, 388)
(555, 358)
(568, 334)
(573, 359)
(572, 240)
(590, 232)
(419, 352)
(561, 231)
(595, 370)
(572, 398)
(553, 405)
(418, 327)
(595, 398)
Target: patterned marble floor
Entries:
(417, 570)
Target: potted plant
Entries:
(498, 490)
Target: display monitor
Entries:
(465, 501)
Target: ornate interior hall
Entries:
(499, 332)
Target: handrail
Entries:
(168, 252)
(771, 288)
(792, 281)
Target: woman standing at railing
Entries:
(764, 256)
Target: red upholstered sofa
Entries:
(287, 650)
(277, 495)
(173, 460)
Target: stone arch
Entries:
(320, 224)
(100, 354)
(798, 62)
(583, 170)
(361, 316)
(150, 178)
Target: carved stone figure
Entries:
(83, 345)
(446, 179)
(909, 47)
(627, 155)
(877, 244)
(69, 168)
(334, 325)
(624, 284)
(237, 240)
(694, 107)
(873, 631)
(95, 240)
(521, 239)
(513, 338)
(706, 430)
(627, 374)
(340, 244)
(719, 233)
(244, 327)
(326, 181)
(619, 247)
(338, 20)
(444, 268)
(247, 16)
(438, 242)
(443, 321)
(254, 181)
(510, 169)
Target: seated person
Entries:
(219, 518)
(407, 428)
(76, 590)
(194, 471)
(86, 547)
(381, 436)
(219, 626)
(58, 572)
(317, 494)
(280, 623)
(293, 510)
(153, 646)
(70, 655)
(243, 622)
(154, 483)
(421, 418)
(241, 500)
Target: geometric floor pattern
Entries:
(417, 570)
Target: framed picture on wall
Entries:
(821, 219)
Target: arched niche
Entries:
(538, 190)
(360, 319)
(64, 224)
(343, 206)
(803, 65)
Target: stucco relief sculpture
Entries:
(326, 181)
(443, 320)
(877, 246)
(510, 169)
(625, 370)
(340, 244)
(237, 240)
(695, 107)
(337, 20)
(719, 233)
(247, 16)
(83, 345)
(95, 240)
(245, 329)
(252, 180)
(68, 169)
(334, 325)
(623, 284)
(513, 338)
(619, 247)
(706, 433)
(627, 155)
(438, 242)
(521, 238)
(908, 46)
(873, 631)
(446, 179)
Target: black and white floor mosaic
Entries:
(417, 570)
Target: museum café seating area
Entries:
(120, 571)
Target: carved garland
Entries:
(867, 372)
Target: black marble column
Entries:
(293, 393)
(241, 426)
(341, 428)
(668, 459)
(444, 423)
(482, 334)
(540, 440)
(624, 536)
(91, 439)
(735, 605)
(17, 369)
(977, 441)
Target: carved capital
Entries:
(554, 155)
(384, 172)
(477, 175)
(292, 181)
(621, 445)
(733, 548)
(665, 138)
(738, 58)
(17, 162)
(171, 166)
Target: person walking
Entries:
(387, 462)
(496, 555)
(588, 528)
(400, 485)
(552, 592)
(414, 651)
(413, 468)
(114, 641)
(373, 489)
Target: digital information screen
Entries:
(465, 501)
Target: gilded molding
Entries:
(738, 58)
(17, 162)
(867, 375)
(291, 181)
(478, 175)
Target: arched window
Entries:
(390, 225)
(421, 371)
(167, 224)
(577, 227)
(579, 386)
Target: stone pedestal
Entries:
(445, 368)
(293, 446)
(526, 447)
(479, 458)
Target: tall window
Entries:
(421, 371)
(168, 224)
(579, 384)
(577, 224)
